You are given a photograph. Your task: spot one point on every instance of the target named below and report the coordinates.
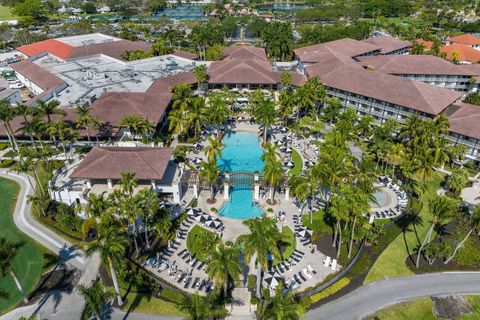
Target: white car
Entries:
(16, 85)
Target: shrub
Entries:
(6, 163)
(170, 295)
(270, 210)
(251, 281)
(334, 288)
(4, 146)
(253, 301)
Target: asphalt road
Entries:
(378, 295)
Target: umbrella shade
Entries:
(197, 210)
(283, 149)
(279, 143)
(289, 164)
(203, 218)
(271, 282)
(197, 161)
(305, 233)
(289, 150)
(191, 212)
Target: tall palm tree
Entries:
(283, 306)
(260, 242)
(474, 225)
(178, 122)
(287, 104)
(441, 208)
(96, 298)
(7, 114)
(214, 148)
(134, 123)
(200, 73)
(49, 109)
(24, 111)
(305, 186)
(218, 111)
(196, 114)
(62, 131)
(265, 113)
(8, 251)
(194, 307)
(148, 208)
(210, 173)
(273, 174)
(86, 121)
(128, 182)
(111, 245)
(36, 127)
(224, 266)
(270, 153)
(182, 93)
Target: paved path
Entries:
(24, 220)
(375, 296)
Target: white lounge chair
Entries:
(326, 262)
(309, 267)
(305, 272)
(333, 266)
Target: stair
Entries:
(241, 304)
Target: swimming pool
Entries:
(382, 199)
(242, 152)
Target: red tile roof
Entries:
(388, 43)
(165, 85)
(241, 71)
(185, 54)
(465, 53)
(52, 46)
(467, 39)
(109, 163)
(41, 77)
(413, 64)
(244, 52)
(427, 44)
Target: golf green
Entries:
(28, 264)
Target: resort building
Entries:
(462, 53)
(425, 68)
(465, 39)
(389, 45)
(102, 168)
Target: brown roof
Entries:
(109, 163)
(328, 63)
(241, 71)
(244, 52)
(113, 49)
(297, 78)
(166, 84)
(185, 54)
(466, 38)
(396, 90)
(388, 43)
(413, 64)
(465, 53)
(464, 119)
(41, 77)
(346, 46)
(112, 107)
(475, 69)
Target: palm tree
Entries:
(26, 164)
(224, 266)
(474, 225)
(8, 251)
(270, 153)
(7, 114)
(196, 114)
(178, 122)
(214, 148)
(24, 111)
(63, 131)
(283, 306)
(210, 174)
(36, 128)
(194, 307)
(40, 202)
(182, 93)
(111, 245)
(265, 113)
(261, 241)
(273, 174)
(97, 205)
(287, 104)
(305, 186)
(218, 111)
(332, 109)
(134, 123)
(128, 182)
(148, 208)
(441, 208)
(49, 108)
(200, 73)
(96, 298)
(86, 121)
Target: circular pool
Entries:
(382, 199)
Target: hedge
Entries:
(334, 288)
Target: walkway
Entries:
(24, 220)
(378, 295)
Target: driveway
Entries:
(375, 296)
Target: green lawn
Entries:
(422, 309)
(201, 241)
(147, 304)
(29, 263)
(288, 238)
(318, 225)
(6, 13)
(391, 262)
(298, 163)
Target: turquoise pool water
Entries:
(242, 152)
(381, 198)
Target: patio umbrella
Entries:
(289, 150)
(289, 164)
(271, 281)
(202, 218)
(305, 233)
(198, 146)
(283, 149)
(279, 143)
(197, 161)
(197, 210)
(190, 212)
